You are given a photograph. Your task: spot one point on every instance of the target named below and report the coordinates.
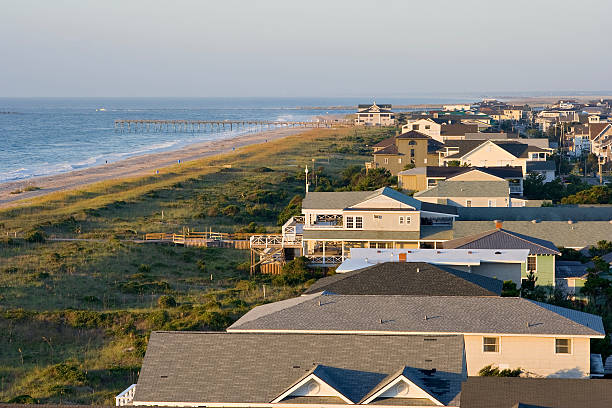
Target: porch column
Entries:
(323, 253)
(342, 243)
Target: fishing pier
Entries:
(155, 125)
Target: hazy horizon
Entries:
(274, 48)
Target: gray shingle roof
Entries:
(570, 269)
(449, 188)
(504, 239)
(408, 278)
(424, 314)
(500, 392)
(201, 367)
(576, 235)
(559, 213)
(541, 166)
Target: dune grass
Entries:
(75, 315)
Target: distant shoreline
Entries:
(141, 165)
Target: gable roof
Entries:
(215, 367)
(595, 129)
(506, 392)
(408, 278)
(451, 188)
(329, 313)
(457, 129)
(464, 147)
(385, 142)
(517, 149)
(503, 239)
(413, 134)
(391, 149)
(452, 171)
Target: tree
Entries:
(371, 180)
(492, 371)
(453, 163)
(594, 195)
(533, 185)
(292, 209)
(509, 289)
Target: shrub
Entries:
(216, 321)
(66, 373)
(231, 210)
(509, 289)
(292, 209)
(491, 371)
(144, 268)
(157, 319)
(263, 170)
(84, 319)
(166, 301)
(36, 235)
(22, 399)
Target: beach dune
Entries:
(134, 166)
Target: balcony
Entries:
(326, 222)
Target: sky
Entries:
(288, 48)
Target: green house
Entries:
(541, 259)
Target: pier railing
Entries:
(157, 125)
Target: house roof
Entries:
(541, 166)
(508, 392)
(517, 149)
(408, 278)
(433, 146)
(339, 200)
(557, 213)
(570, 269)
(201, 367)
(457, 129)
(595, 129)
(503, 239)
(420, 314)
(451, 171)
(561, 233)
(464, 146)
(391, 149)
(413, 134)
(385, 142)
(449, 188)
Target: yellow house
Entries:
(408, 149)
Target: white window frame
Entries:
(468, 203)
(408, 219)
(386, 160)
(401, 220)
(569, 346)
(399, 160)
(350, 222)
(491, 203)
(497, 344)
(358, 220)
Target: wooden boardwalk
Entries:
(155, 125)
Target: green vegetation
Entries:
(492, 371)
(75, 315)
(570, 190)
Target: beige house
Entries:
(541, 339)
(375, 115)
(408, 149)
(496, 153)
(422, 178)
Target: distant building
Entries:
(426, 126)
(408, 149)
(375, 115)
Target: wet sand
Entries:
(134, 166)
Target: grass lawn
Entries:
(75, 316)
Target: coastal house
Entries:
(507, 392)
(541, 260)
(601, 140)
(426, 126)
(546, 169)
(496, 264)
(493, 153)
(509, 332)
(456, 131)
(468, 193)
(212, 369)
(580, 140)
(375, 115)
(422, 178)
(407, 149)
(334, 222)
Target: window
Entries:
(415, 127)
(531, 263)
(490, 344)
(491, 203)
(349, 222)
(407, 219)
(377, 217)
(563, 346)
(386, 160)
(401, 220)
(468, 203)
(358, 222)
(411, 152)
(412, 143)
(399, 160)
(427, 127)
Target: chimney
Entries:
(435, 115)
(498, 224)
(402, 257)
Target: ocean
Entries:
(45, 136)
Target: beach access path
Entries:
(133, 166)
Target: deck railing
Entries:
(325, 260)
(126, 397)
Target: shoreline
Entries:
(133, 166)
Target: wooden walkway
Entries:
(155, 125)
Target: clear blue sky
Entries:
(302, 48)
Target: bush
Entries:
(491, 371)
(36, 236)
(231, 210)
(166, 301)
(292, 209)
(144, 268)
(157, 319)
(22, 399)
(509, 289)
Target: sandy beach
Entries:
(134, 166)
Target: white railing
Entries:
(270, 241)
(325, 260)
(323, 226)
(126, 397)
